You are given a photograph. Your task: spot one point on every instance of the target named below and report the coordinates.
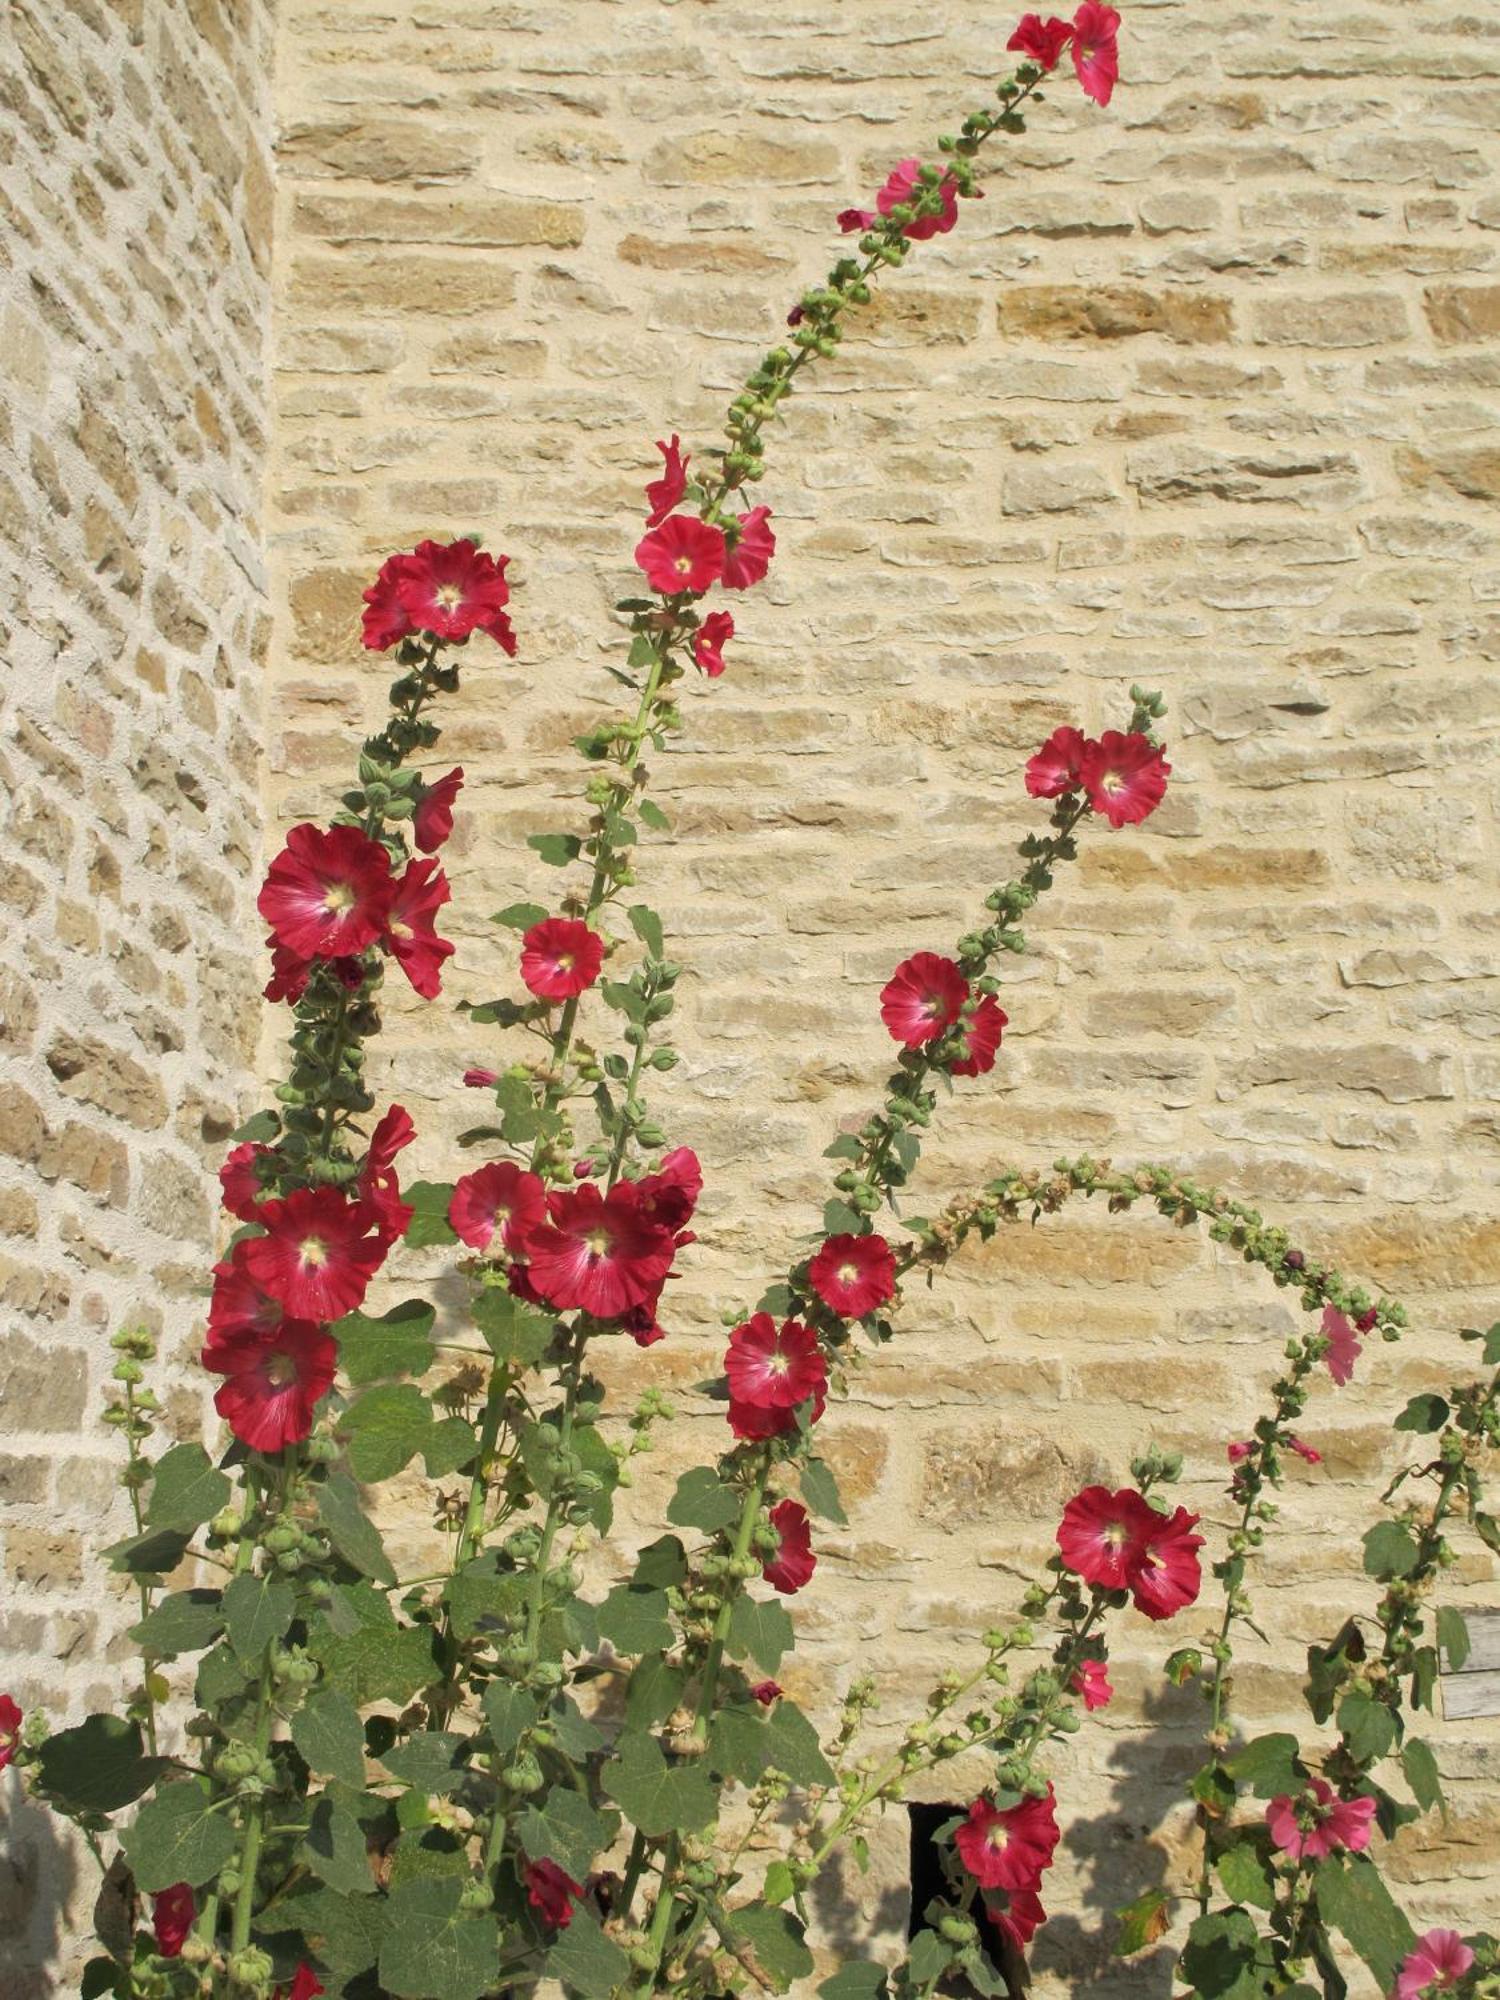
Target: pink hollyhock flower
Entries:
(1010, 1849)
(853, 1275)
(318, 1254)
(1167, 1577)
(598, 1253)
(709, 641)
(305, 1985)
(754, 546)
(1058, 766)
(172, 1914)
(239, 1304)
(386, 619)
(274, 1381)
(409, 935)
(922, 998)
(481, 1079)
(450, 589)
(903, 188)
(852, 219)
(765, 1692)
(11, 1718)
(664, 493)
(240, 1182)
(1102, 1535)
(1096, 54)
(771, 1370)
(1016, 1912)
(1091, 1683)
(794, 1562)
(560, 958)
(1239, 1452)
(1124, 776)
(1440, 1960)
(1041, 42)
(327, 893)
(552, 1893)
(1319, 1823)
(1343, 1349)
(981, 1038)
(503, 1197)
(1305, 1451)
(432, 822)
(670, 1195)
(683, 554)
(379, 1187)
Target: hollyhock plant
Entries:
(305, 1985)
(664, 493)
(432, 822)
(480, 1079)
(1096, 53)
(240, 1182)
(683, 555)
(598, 1253)
(386, 619)
(1125, 777)
(450, 590)
(853, 1275)
(379, 1186)
(1010, 1848)
(1016, 1913)
(922, 998)
(503, 1197)
(670, 1195)
(1306, 1452)
(1102, 1535)
(408, 933)
(1343, 1348)
(328, 893)
(1166, 1577)
(274, 1381)
(172, 1914)
(1320, 1823)
(793, 1564)
(766, 1692)
(749, 557)
(552, 1893)
(11, 1719)
(238, 1303)
(1440, 1960)
(981, 1038)
(1041, 42)
(318, 1254)
(771, 1370)
(903, 188)
(560, 958)
(1058, 766)
(1091, 1683)
(852, 219)
(709, 641)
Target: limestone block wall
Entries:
(1203, 394)
(134, 261)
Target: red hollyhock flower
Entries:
(239, 1304)
(552, 1893)
(409, 934)
(172, 1913)
(1091, 1682)
(1167, 1577)
(1319, 1823)
(290, 973)
(327, 893)
(1343, 1350)
(432, 821)
(852, 219)
(664, 493)
(981, 1039)
(1102, 1535)
(305, 1986)
(1010, 1849)
(1124, 776)
(1096, 53)
(794, 1562)
(1058, 766)
(379, 1187)
(386, 619)
(10, 1729)
(683, 554)
(670, 1195)
(450, 589)
(481, 1079)
(903, 187)
(318, 1254)
(1016, 1912)
(1240, 1450)
(501, 1196)
(709, 641)
(922, 998)
(274, 1381)
(770, 1372)
(560, 958)
(754, 546)
(765, 1692)
(1041, 42)
(240, 1181)
(853, 1275)
(598, 1253)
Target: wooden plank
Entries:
(1469, 1694)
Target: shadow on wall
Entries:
(39, 1879)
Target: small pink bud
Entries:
(481, 1079)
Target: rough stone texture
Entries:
(134, 286)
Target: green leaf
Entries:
(449, 1444)
(397, 1343)
(653, 815)
(654, 1691)
(1368, 1727)
(176, 1838)
(928, 1958)
(100, 1976)
(821, 1492)
(636, 1621)
(328, 1732)
(702, 1500)
(1488, 1530)
(509, 1712)
(515, 1333)
(660, 1798)
(762, 1630)
(1353, 1898)
(779, 1886)
(186, 1490)
(220, 1678)
(1218, 1960)
(1144, 1922)
(1425, 1413)
(839, 1219)
(386, 1429)
(1492, 1347)
(1421, 1769)
(257, 1611)
(585, 1960)
(856, 1979)
(647, 926)
(482, 1598)
(1390, 1550)
(1246, 1876)
(185, 1622)
(153, 1554)
(334, 1848)
(258, 1130)
(1424, 1676)
(350, 1530)
(375, 1660)
(737, 1742)
(347, 1932)
(660, 1565)
(97, 1767)
(428, 1762)
(1453, 1636)
(434, 1950)
(520, 916)
(775, 1936)
(429, 1225)
(567, 1830)
(792, 1746)
(556, 849)
(845, 1147)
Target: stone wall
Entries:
(135, 194)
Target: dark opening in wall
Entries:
(927, 1881)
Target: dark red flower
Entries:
(560, 958)
(1124, 776)
(552, 1893)
(386, 620)
(922, 998)
(683, 554)
(853, 1275)
(290, 973)
(432, 822)
(409, 934)
(172, 1914)
(765, 1692)
(598, 1253)
(903, 188)
(981, 1039)
(379, 1187)
(306, 1984)
(709, 641)
(754, 546)
(239, 1304)
(11, 1718)
(1096, 53)
(771, 1370)
(665, 492)
(274, 1381)
(240, 1182)
(327, 893)
(1010, 1849)
(319, 1252)
(1041, 42)
(501, 1196)
(670, 1195)
(1103, 1535)
(794, 1562)
(851, 219)
(1016, 1912)
(1058, 766)
(450, 589)
(1168, 1577)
